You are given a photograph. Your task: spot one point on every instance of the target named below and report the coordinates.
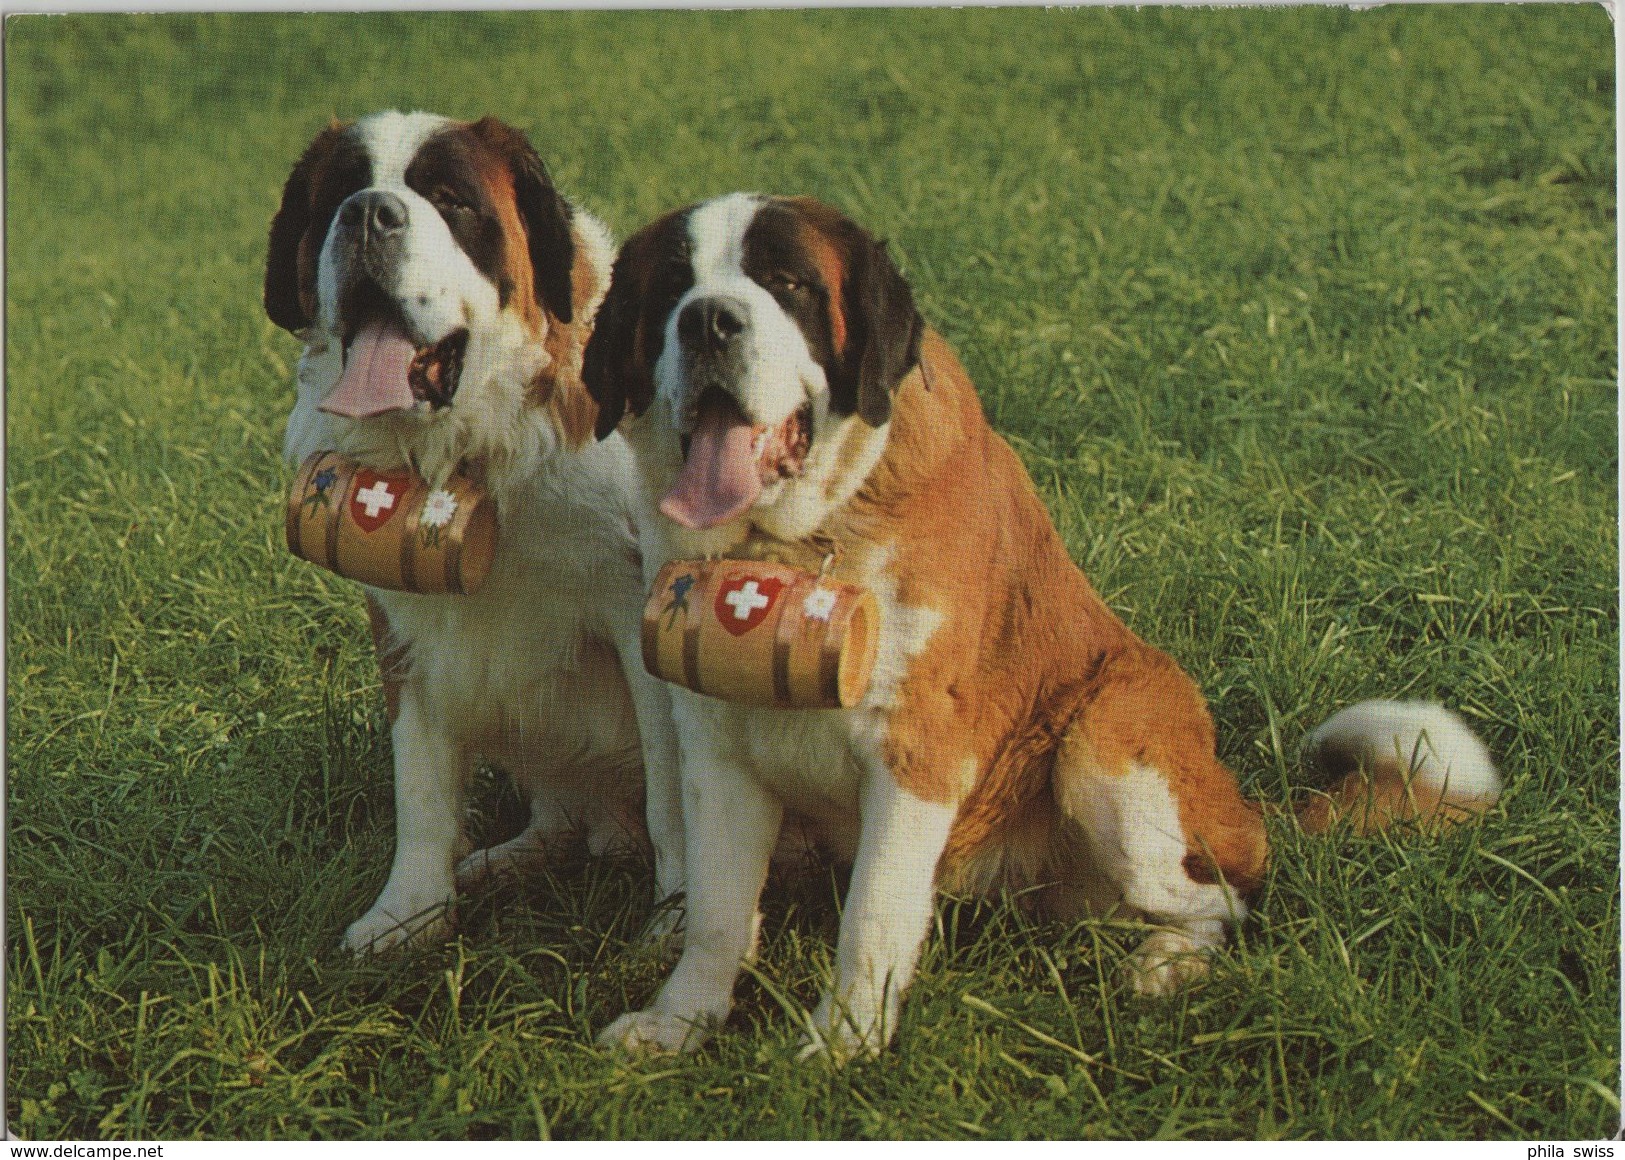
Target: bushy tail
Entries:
(1394, 761)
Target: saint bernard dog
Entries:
(785, 401)
(444, 291)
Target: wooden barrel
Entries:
(761, 633)
(391, 529)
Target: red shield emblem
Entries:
(376, 498)
(744, 601)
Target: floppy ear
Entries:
(885, 329)
(546, 216)
(613, 368)
(284, 297)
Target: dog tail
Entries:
(1393, 761)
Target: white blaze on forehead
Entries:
(777, 371)
(392, 139)
(717, 231)
(436, 285)
(767, 368)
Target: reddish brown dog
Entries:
(786, 402)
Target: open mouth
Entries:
(728, 460)
(386, 370)
(436, 369)
(780, 451)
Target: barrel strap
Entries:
(784, 634)
(409, 545)
(699, 600)
(829, 653)
(342, 486)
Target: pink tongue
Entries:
(375, 369)
(720, 480)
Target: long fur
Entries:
(539, 672)
(1016, 734)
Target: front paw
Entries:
(840, 1036)
(386, 927)
(651, 1032)
(526, 854)
(1166, 961)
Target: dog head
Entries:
(768, 335)
(440, 283)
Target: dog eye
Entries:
(786, 283)
(447, 201)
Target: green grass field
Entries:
(1302, 320)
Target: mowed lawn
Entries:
(1303, 322)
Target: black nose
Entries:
(711, 323)
(377, 212)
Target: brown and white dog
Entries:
(785, 401)
(444, 292)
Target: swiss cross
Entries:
(376, 498)
(743, 602)
(746, 600)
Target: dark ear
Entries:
(613, 367)
(885, 329)
(546, 216)
(283, 300)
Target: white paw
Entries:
(841, 1036)
(522, 855)
(385, 927)
(1165, 962)
(649, 1032)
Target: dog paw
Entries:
(836, 1046)
(1165, 962)
(838, 1038)
(525, 854)
(384, 929)
(649, 1032)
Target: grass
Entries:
(1303, 322)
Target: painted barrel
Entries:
(391, 529)
(761, 633)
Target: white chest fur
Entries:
(528, 657)
(812, 760)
